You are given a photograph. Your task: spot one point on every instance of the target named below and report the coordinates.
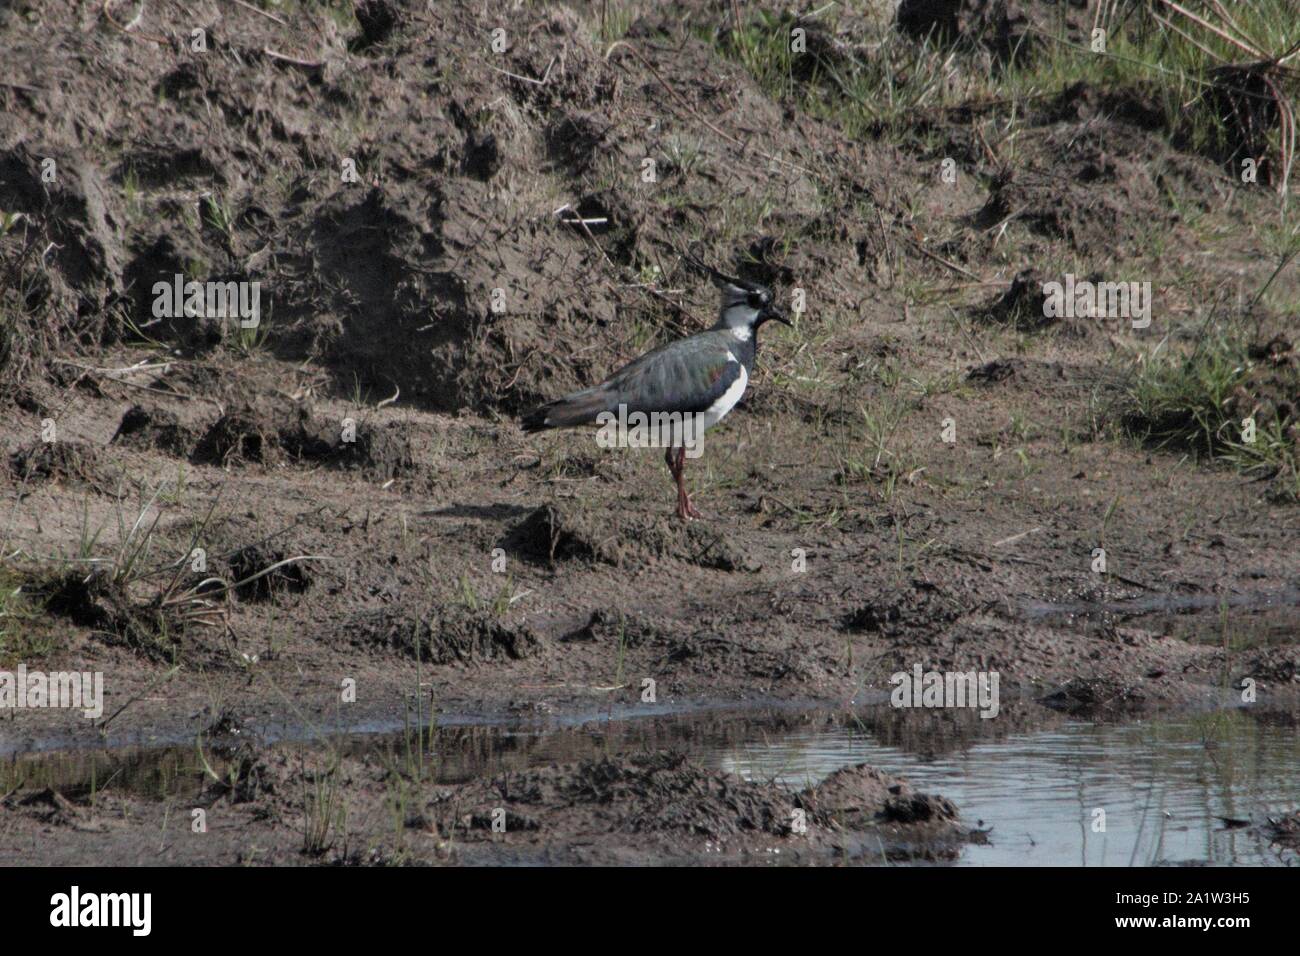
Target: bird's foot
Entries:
(687, 511)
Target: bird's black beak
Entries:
(772, 312)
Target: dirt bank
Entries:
(922, 473)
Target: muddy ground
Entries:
(377, 533)
(483, 800)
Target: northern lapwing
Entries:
(703, 376)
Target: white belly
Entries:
(726, 401)
(676, 432)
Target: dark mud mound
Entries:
(265, 574)
(378, 19)
(1095, 697)
(862, 797)
(552, 533)
(1024, 305)
(1270, 391)
(1198, 401)
(450, 635)
(272, 433)
(711, 649)
(244, 435)
(1019, 372)
(1285, 831)
(566, 531)
(662, 803)
(246, 776)
(378, 257)
(61, 461)
(630, 630)
(1021, 305)
(158, 429)
(64, 192)
(378, 451)
(715, 651)
(893, 612)
(575, 139)
(1060, 203)
(1098, 177)
(52, 809)
(1273, 667)
(651, 793)
(151, 628)
(1006, 28)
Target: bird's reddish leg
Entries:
(684, 507)
(675, 469)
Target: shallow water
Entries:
(1166, 604)
(1164, 785)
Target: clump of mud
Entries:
(245, 777)
(1021, 305)
(52, 809)
(155, 428)
(704, 648)
(1098, 180)
(1277, 666)
(661, 802)
(895, 611)
(63, 461)
(250, 561)
(1026, 306)
(241, 436)
(862, 797)
(650, 793)
(1271, 392)
(631, 630)
(564, 531)
(450, 635)
(1006, 28)
(378, 19)
(150, 628)
(1185, 402)
(1095, 697)
(274, 433)
(58, 299)
(1285, 831)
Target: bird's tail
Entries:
(580, 408)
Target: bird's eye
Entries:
(757, 300)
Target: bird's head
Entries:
(745, 305)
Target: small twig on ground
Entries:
(115, 376)
(306, 64)
(526, 79)
(117, 373)
(944, 262)
(259, 11)
(1015, 537)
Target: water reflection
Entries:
(1162, 790)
